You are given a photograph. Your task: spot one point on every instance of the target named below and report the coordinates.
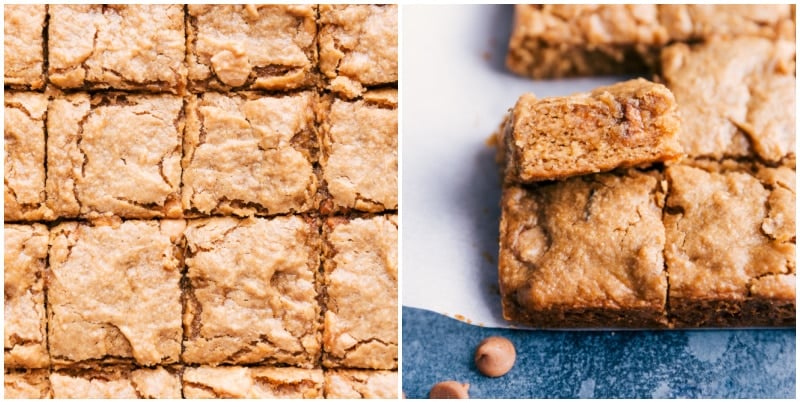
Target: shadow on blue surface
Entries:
(602, 364)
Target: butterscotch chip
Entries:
(495, 356)
(26, 384)
(25, 256)
(114, 293)
(24, 170)
(251, 46)
(252, 382)
(114, 154)
(730, 246)
(358, 46)
(251, 295)
(449, 390)
(585, 252)
(560, 40)
(360, 264)
(131, 47)
(23, 45)
(361, 384)
(247, 154)
(117, 382)
(623, 125)
(359, 153)
(756, 115)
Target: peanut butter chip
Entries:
(495, 356)
(449, 390)
(232, 68)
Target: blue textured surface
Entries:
(602, 364)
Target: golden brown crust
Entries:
(251, 294)
(27, 384)
(252, 382)
(361, 384)
(360, 265)
(117, 382)
(632, 123)
(23, 50)
(271, 47)
(585, 252)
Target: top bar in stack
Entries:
(622, 125)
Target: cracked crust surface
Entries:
(114, 154)
(360, 325)
(359, 153)
(25, 257)
(736, 97)
(28, 384)
(247, 154)
(357, 46)
(731, 245)
(116, 382)
(361, 384)
(585, 252)
(623, 125)
(131, 47)
(24, 152)
(251, 296)
(114, 293)
(252, 382)
(556, 40)
(269, 47)
(23, 42)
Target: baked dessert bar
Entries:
(360, 265)
(23, 45)
(26, 384)
(359, 153)
(24, 172)
(361, 384)
(730, 248)
(557, 40)
(117, 382)
(585, 252)
(736, 97)
(24, 334)
(252, 382)
(131, 47)
(114, 154)
(357, 46)
(248, 154)
(622, 125)
(251, 294)
(270, 47)
(114, 293)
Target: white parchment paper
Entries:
(455, 91)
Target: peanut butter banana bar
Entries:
(252, 382)
(23, 45)
(117, 382)
(27, 384)
(361, 384)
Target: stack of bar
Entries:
(641, 205)
(200, 201)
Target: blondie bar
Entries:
(252, 382)
(360, 264)
(117, 382)
(730, 248)
(23, 45)
(557, 40)
(736, 97)
(251, 294)
(25, 256)
(114, 293)
(251, 46)
(248, 154)
(26, 384)
(359, 153)
(585, 252)
(622, 125)
(361, 384)
(123, 46)
(114, 154)
(24, 171)
(357, 46)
